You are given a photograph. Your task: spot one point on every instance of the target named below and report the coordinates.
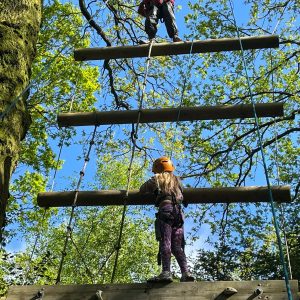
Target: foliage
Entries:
(227, 153)
(241, 243)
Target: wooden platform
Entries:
(170, 114)
(246, 290)
(162, 49)
(191, 195)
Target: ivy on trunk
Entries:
(19, 28)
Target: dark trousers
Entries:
(165, 12)
(171, 239)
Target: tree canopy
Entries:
(241, 243)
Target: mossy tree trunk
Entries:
(19, 27)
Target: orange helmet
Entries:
(163, 164)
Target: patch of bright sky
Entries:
(241, 13)
(243, 16)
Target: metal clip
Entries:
(229, 291)
(226, 293)
(258, 291)
(39, 295)
(99, 295)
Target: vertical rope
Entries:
(134, 138)
(279, 19)
(290, 297)
(281, 206)
(181, 97)
(61, 143)
(70, 227)
(33, 250)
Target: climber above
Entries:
(169, 219)
(155, 10)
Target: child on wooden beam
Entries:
(169, 220)
(155, 10)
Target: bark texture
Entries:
(19, 27)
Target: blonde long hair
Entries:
(169, 184)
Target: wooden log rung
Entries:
(203, 290)
(185, 47)
(170, 114)
(191, 195)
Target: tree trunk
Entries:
(19, 27)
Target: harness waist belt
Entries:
(165, 202)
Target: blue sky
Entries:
(72, 166)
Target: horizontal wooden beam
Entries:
(170, 114)
(202, 290)
(191, 195)
(162, 49)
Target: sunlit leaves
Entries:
(241, 243)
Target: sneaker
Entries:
(187, 277)
(177, 39)
(145, 42)
(164, 276)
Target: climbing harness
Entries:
(174, 218)
(39, 295)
